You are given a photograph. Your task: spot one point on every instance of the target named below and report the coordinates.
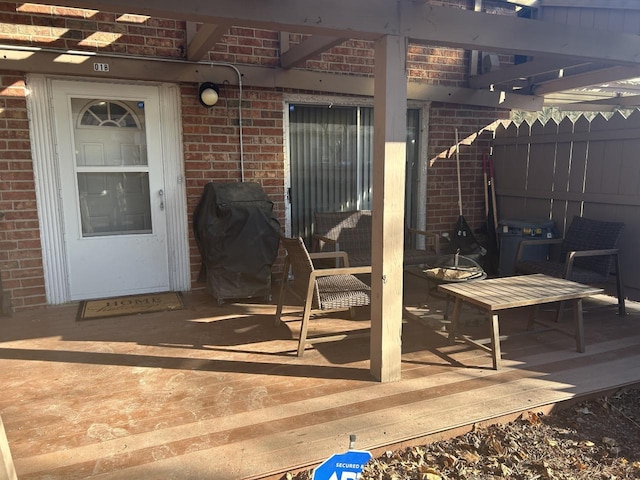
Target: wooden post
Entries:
(389, 158)
(7, 470)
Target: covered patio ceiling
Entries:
(567, 65)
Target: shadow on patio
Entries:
(217, 392)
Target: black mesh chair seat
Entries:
(557, 269)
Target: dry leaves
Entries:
(599, 439)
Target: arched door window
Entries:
(111, 167)
(102, 113)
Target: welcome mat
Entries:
(129, 305)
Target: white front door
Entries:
(112, 188)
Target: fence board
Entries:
(578, 167)
(562, 169)
(513, 173)
(612, 161)
(631, 23)
(573, 16)
(601, 19)
(616, 20)
(560, 15)
(540, 176)
(630, 181)
(596, 159)
(587, 17)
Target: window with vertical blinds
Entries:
(331, 157)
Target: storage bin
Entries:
(512, 231)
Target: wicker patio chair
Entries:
(588, 254)
(320, 289)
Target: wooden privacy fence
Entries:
(589, 168)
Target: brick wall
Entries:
(20, 252)
(248, 46)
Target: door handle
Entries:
(161, 193)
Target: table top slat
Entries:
(518, 291)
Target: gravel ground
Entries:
(596, 439)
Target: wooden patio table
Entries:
(498, 294)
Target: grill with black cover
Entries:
(238, 238)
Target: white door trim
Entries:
(176, 189)
(48, 194)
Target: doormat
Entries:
(129, 305)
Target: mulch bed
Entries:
(596, 439)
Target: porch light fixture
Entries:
(208, 94)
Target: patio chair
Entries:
(588, 254)
(320, 289)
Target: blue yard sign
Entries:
(342, 466)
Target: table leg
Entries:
(446, 307)
(577, 315)
(533, 315)
(495, 342)
(455, 318)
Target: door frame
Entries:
(48, 185)
(422, 168)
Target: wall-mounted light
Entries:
(208, 94)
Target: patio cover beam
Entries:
(595, 77)
(309, 48)
(371, 19)
(127, 68)
(204, 40)
(515, 72)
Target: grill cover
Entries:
(238, 238)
